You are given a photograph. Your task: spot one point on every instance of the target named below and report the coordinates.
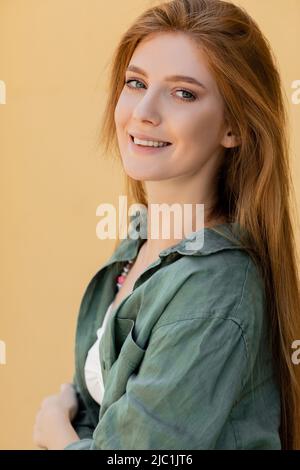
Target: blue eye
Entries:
(192, 96)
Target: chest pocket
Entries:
(130, 350)
(118, 342)
(117, 370)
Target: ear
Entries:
(230, 140)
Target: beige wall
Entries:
(53, 55)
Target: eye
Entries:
(132, 80)
(191, 98)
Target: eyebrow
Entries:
(171, 78)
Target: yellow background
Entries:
(53, 58)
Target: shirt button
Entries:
(104, 365)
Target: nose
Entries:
(147, 109)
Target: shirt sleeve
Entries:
(82, 422)
(191, 375)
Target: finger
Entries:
(66, 385)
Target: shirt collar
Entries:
(203, 242)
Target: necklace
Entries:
(121, 278)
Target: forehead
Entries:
(164, 54)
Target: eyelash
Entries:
(182, 99)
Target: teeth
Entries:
(149, 143)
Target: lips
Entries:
(146, 149)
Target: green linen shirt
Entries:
(185, 358)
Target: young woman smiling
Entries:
(194, 351)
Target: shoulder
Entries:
(225, 286)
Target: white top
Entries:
(92, 368)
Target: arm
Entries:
(64, 434)
(52, 428)
(191, 375)
(82, 423)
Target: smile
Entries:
(145, 149)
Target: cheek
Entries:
(205, 128)
(122, 111)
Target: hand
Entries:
(54, 416)
(69, 400)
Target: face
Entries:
(187, 115)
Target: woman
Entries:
(194, 349)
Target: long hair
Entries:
(254, 183)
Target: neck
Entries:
(174, 232)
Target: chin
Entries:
(137, 176)
(136, 173)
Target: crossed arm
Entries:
(53, 429)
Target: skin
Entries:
(186, 171)
(52, 428)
